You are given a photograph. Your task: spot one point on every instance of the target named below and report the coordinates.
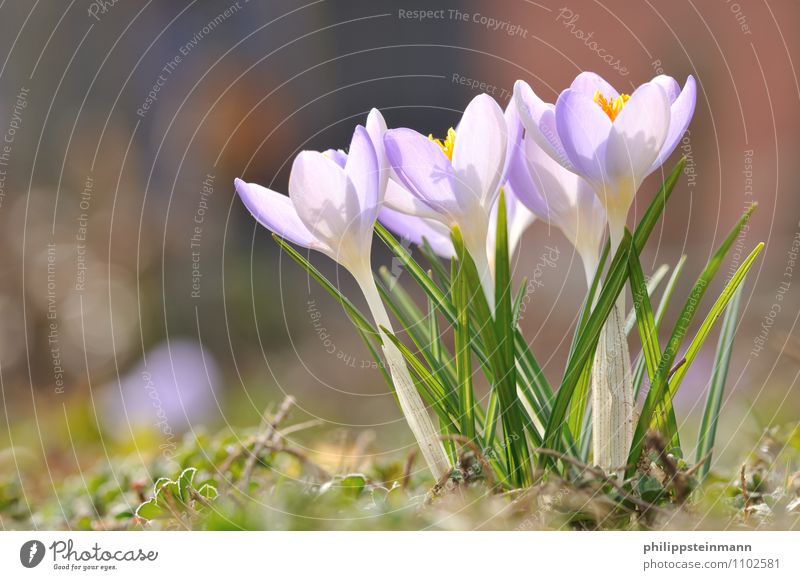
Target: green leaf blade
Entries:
(659, 387)
(722, 358)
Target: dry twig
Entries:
(268, 437)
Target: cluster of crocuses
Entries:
(575, 164)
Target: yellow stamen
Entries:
(447, 144)
(610, 107)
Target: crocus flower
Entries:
(411, 223)
(455, 181)
(330, 208)
(568, 202)
(560, 198)
(334, 200)
(612, 140)
(406, 223)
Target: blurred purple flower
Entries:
(171, 389)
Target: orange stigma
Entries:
(610, 107)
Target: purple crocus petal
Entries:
(539, 120)
(336, 155)
(325, 202)
(681, 113)
(479, 152)
(522, 184)
(585, 223)
(584, 130)
(671, 87)
(376, 127)
(589, 83)
(557, 186)
(415, 230)
(363, 173)
(520, 219)
(400, 199)
(561, 189)
(424, 170)
(567, 201)
(516, 132)
(637, 136)
(277, 213)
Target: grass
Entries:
(259, 478)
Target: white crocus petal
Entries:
(337, 155)
(520, 218)
(400, 199)
(566, 194)
(327, 204)
(584, 130)
(516, 131)
(633, 145)
(587, 230)
(415, 230)
(680, 115)
(588, 83)
(670, 86)
(539, 120)
(583, 222)
(376, 127)
(363, 175)
(570, 205)
(480, 148)
(277, 213)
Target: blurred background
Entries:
(140, 301)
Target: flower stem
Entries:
(410, 401)
(612, 386)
